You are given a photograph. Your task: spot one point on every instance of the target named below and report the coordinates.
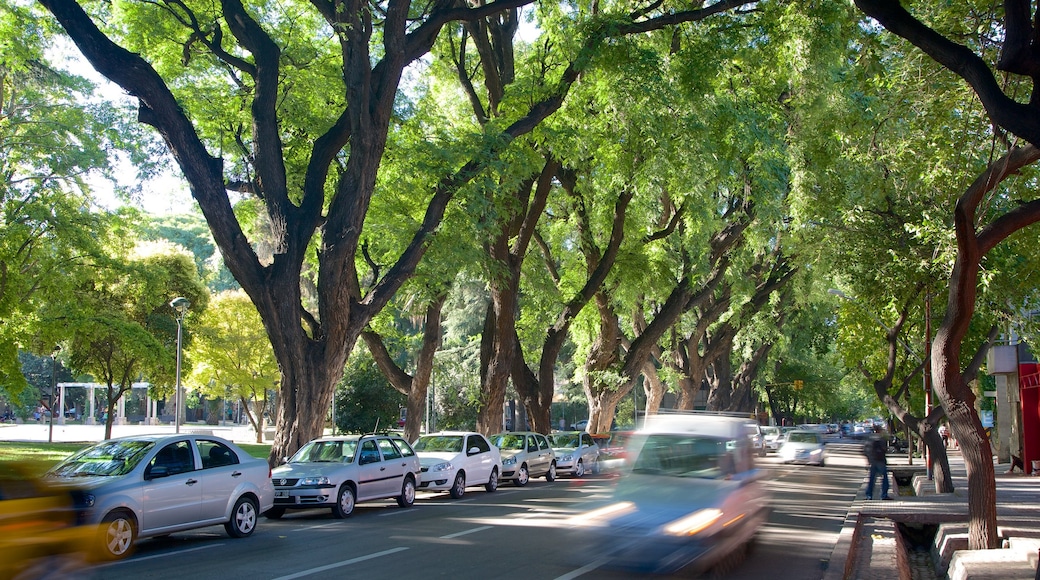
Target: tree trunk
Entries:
(654, 388)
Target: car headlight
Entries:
(509, 461)
(566, 458)
(693, 523)
(445, 466)
(604, 515)
(314, 481)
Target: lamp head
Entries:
(180, 304)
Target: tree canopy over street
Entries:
(753, 206)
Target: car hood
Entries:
(800, 445)
(564, 450)
(296, 470)
(659, 500)
(504, 453)
(428, 458)
(83, 482)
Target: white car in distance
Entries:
(455, 460)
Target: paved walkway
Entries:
(870, 547)
(74, 433)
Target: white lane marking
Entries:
(327, 567)
(581, 571)
(156, 556)
(465, 533)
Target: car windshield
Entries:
(326, 452)
(797, 437)
(686, 456)
(110, 458)
(771, 431)
(508, 442)
(564, 440)
(439, 443)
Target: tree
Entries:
(124, 329)
(979, 228)
(308, 109)
(230, 352)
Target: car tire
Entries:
(492, 483)
(595, 467)
(243, 518)
(522, 476)
(458, 487)
(579, 468)
(274, 513)
(345, 501)
(551, 474)
(407, 497)
(118, 533)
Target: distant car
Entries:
(576, 453)
(691, 497)
(580, 425)
(770, 435)
(155, 485)
(455, 460)
(612, 449)
(803, 446)
(758, 441)
(525, 455)
(338, 472)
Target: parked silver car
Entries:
(576, 453)
(525, 455)
(155, 485)
(803, 446)
(338, 472)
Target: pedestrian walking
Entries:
(876, 449)
(944, 432)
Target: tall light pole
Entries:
(54, 388)
(180, 304)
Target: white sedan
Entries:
(455, 460)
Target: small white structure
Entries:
(120, 418)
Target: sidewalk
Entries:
(33, 431)
(870, 546)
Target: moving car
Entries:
(338, 472)
(155, 485)
(525, 455)
(803, 446)
(455, 460)
(576, 453)
(612, 451)
(691, 499)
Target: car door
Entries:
(479, 459)
(220, 475)
(371, 471)
(545, 454)
(171, 490)
(395, 466)
(589, 451)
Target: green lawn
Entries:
(38, 456)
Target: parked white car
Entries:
(455, 460)
(525, 455)
(338, 472)
(576, 453)
(155, 485)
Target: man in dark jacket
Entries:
(875, 450)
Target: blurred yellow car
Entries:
(39, 531)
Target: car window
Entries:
(175, 458)
(563, 440)
(389, 450)
(687, 456)
(507, 441)
(326, 452)
(803, 437)
(369, 452)
(586, 439)
(403, 447)
(543, 443)
(439, 443)
(106, 458)
(215, 454)
(479, 442)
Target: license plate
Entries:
(281, 494)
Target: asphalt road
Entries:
(512, 533)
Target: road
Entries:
(513, 533)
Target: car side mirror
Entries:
(157, 471)
(473, 450)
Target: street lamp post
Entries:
(54, 388)
(180, 305)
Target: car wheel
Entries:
(492, 483)
(407, 497)
(458, 488)
(595, 467)
(551, 474)
(522, 476)
(579, 468)
(344, 502)
(118, 532)
(243, 518)
(274, 513)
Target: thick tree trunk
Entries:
(653, 387)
